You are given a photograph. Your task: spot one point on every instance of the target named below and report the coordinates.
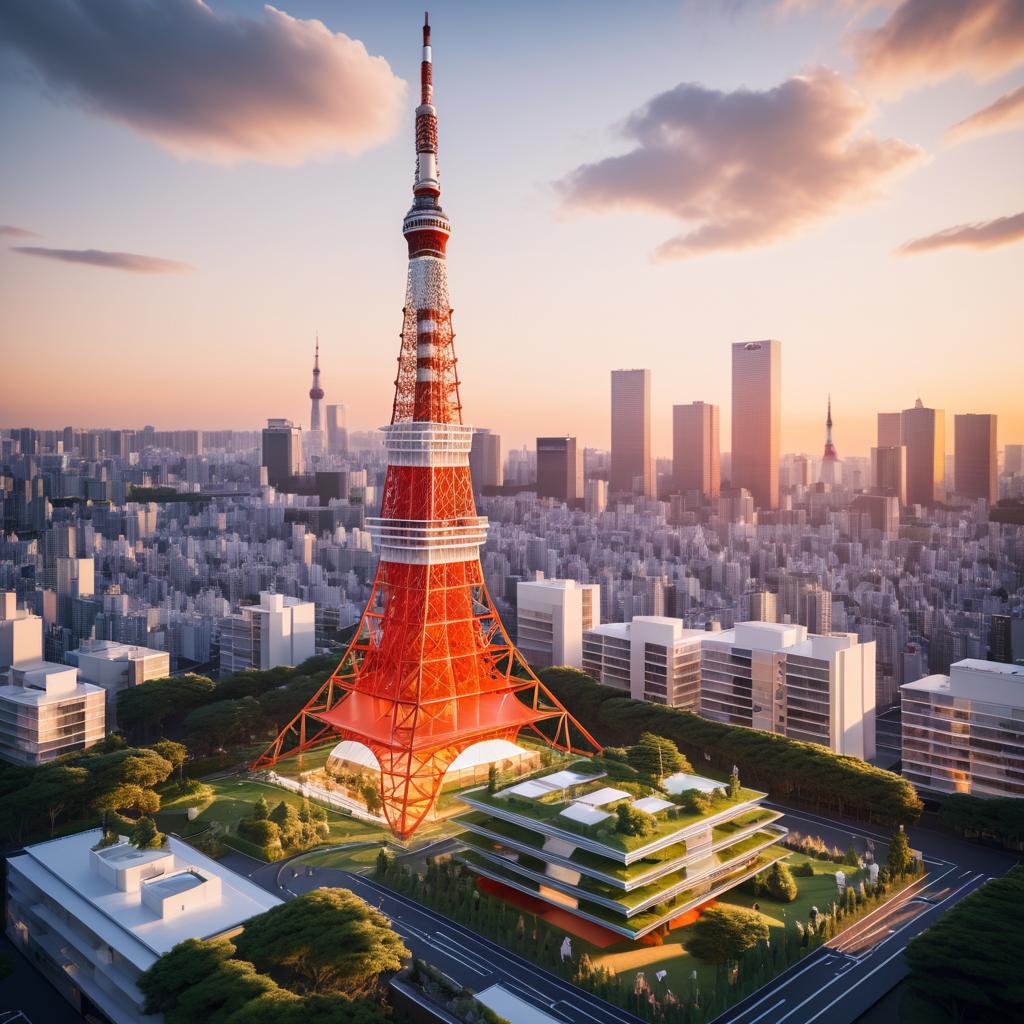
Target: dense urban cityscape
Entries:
(336, 721)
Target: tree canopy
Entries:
(724, 933)
(967, 965)
(325, 941)
(780, 883)
(656, 757)
(184, 966)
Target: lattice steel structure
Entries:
(431, 670)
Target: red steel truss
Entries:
(431, 670)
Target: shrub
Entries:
(724, 933)
(633, 822)
(803, 870)
(780, 884)
(693, 801)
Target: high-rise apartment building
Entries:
(696, 452)
(282, 451)
(631, 467)
(651, 658)
(1013, 458)
(485, 467)
(337, 430)
(964, 733)
(923, 431)
(551, 617)
(757, 419)
(782, 679)
(975, 468)
(559, 469)
(280, 630)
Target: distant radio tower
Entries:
(315, 392)
(830, 458)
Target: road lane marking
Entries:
(771, 1009)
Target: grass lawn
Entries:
(360, 861)
(293, 767)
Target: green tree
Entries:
(261, 831)
(181, 969)
(899, 859)
(280, 1006)
(223, 724)
(286, 817)
(371, 794)
(130, 798)
(173, 753)
(722, 934)
(232, 985)
(967, 966)
(144, 836)
(325, 941)
(492, 779)
(261, 810)
(734, 786)
(852, 857)
(656, 757)
(147, 711)
(780, 883)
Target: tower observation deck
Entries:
(431, 670)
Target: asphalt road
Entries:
(840, 981)
(834, 985)
(464, 956)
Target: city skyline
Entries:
(874, 329)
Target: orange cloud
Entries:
(130, 261)
(929, 40)
(743, 168)
(982, 235)
(1006, 114)
(215, 87)
(10, 231)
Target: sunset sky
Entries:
(188, 193)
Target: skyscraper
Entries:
(696, 453)
(890, 431)
(1013, 456)
(631, 467)
(485, 460)
(757, 419)
(559, 469)
(975, 455)
(337, 431)
(923, 431)
(431, 671)
(281, 451)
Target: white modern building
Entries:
(651, 658)
(45, 712)
(93, 920)
(117, 667)
(280, 630)
(551, 617)
(964, 733)
(780, 678)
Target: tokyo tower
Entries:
(431, 670)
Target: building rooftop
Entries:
(991, 682)
(125, 920)
(111, 650)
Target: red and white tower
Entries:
(831, 469)
(431, 670)
(316, 393)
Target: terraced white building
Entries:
(553, 837)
